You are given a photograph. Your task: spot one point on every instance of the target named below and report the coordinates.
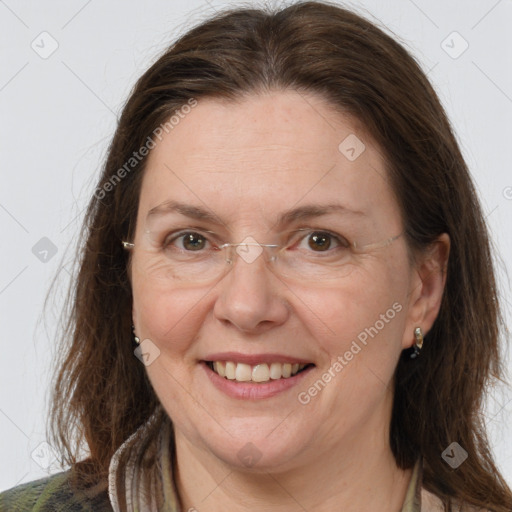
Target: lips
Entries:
(250, 389)
(255, 376)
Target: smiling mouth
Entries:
(258, 373)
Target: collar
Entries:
(412, 502)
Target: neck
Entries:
(359, 475)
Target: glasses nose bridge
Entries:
(248, 251)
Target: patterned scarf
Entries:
(144, 456)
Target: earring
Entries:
(135, 338)
(418, 342)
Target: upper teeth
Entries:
(258, 373)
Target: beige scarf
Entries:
(144, 456)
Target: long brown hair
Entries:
(102, 393)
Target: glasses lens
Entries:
(171, 250)
(304, 269)
(328, 263)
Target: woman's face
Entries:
(236, 169)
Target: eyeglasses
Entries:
(196, 259)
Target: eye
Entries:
(322, 241)
(187, 241)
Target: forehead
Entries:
(265, 154)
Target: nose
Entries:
(250, 296)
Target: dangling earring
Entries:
(418, 342)
(135, 338)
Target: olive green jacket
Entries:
(54, 493)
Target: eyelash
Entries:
(341, 242)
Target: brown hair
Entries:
(102, 393)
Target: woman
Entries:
(288, 239)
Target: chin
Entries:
(255, 450)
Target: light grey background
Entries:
(59, 112)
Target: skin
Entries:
(247, 162)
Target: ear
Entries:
(428, 280)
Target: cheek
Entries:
(362, 316)
(171, 317)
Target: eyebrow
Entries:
(287, 217)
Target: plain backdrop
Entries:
(66, 69)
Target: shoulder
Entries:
(431, 503)
(54, 494)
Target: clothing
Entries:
(53, 494)
(124, 490)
